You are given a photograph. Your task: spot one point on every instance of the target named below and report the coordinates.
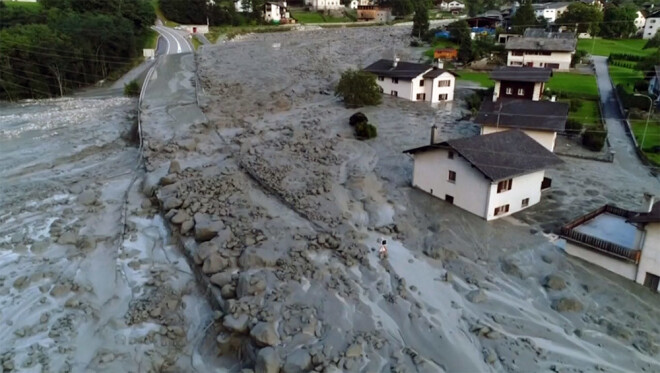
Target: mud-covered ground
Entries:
(87, 281)
(280, 208)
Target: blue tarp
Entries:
(476, 30)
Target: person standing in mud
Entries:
(382, 252)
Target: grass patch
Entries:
(483, 78)
(21, 4)
(652, 136)
(583, 85)
(317, 17)
(232, 31)
(588, 114)
(150, 39)
(439, 44)
(195, 43)
(624, 76)
(603, 47)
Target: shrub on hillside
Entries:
(574, 126)
(365, 131)
(574, 105)
(357, 118)
(358, 88)
(132, 89)
(594, 139)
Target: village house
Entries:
(414, 81)
(640, 21)
(555, 51)
(324, 4)
(276, 12)
(621, 241)
(651, 25)
(374, 13)
(490, 176)
(516, 104)
(452, 6)
(550, 11)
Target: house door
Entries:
(194, 30)
(449, 198)
(530, 64)
(652, 281)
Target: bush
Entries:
(358, 88)
(574, 126)
(357, 118)
(641, 86)
(365, 131)
(577, 57)
(594, 139)
(474, 100)
(132, 89)
(631, 101)
(574, 105)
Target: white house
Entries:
(654, 83)
(621, 241)
(651, 25)
(354, 4)
(639, 21)
(374, 13)
(554, 52)
(276, 12)
(550, 11)
(491, 176)
(414, 81)
(325, 4)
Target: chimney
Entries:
(649, 200)
(434, 133)
(439, 64)
(395, 62)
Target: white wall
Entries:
(431, 172)
(562, 58)
(525, 186)
(640, 20)
(409, 89)
(651, 27)
(326, 4)
(650, 259)
(403, 87)
(198, 29)
(437, 91)
(273, 14)
(620, 267)
(545, 138)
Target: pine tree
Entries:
(420, 21)
(524, 18)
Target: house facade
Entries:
(651, 25)
(520, 82)
(550, 11)
(639, 21)
(491, 176)
(374, 13)
(555, 53)
(621, 241)
(413, 81)
(324, 4)
(276, 12)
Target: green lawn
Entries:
(196, 43)
(151, 39)
(588, 114)
(624, 76)
(23, 4)
(316, 17)
(603, 47)
(652, 136)
(580, 84)
(232, 31)
(483, 78)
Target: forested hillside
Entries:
(49, 48)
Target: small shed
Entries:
(445, 54)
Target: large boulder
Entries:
(297, 362)
(250, 284)
(554, 282)
(477, 296)
(264, 334)
(268, 361)
(221, 279)
(171, 203)
(214, 263)
(567, 305)
(237, 324)
(206, 228)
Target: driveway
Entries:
(622, 144)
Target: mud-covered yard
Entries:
(280, 208)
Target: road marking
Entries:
(171, 33)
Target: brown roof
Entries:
(521, 74)
(648, 217)
(523, 114)
(501, 155)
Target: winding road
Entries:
(176, 42)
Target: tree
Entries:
(358, 88)
(132, 89)
(458, 30)
(654, 42)
(402, 8)
(618, 21)
(587, 18)
(465, 53)
(420, 21)
(524, 18)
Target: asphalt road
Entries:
(176, 42)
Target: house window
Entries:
(450, 155)
(501, 210)
(421, 83)
(452, 177)
(517, 53)
(653, 21)
(394, 93)
(381, 78)
(449, 198)
(651, 281)
(395, 80)
(442, 97)
(509, 91)
(504, 185)
(525, 202)
(552, 65)
(421, 96)
(444, 83)
(521, 92)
